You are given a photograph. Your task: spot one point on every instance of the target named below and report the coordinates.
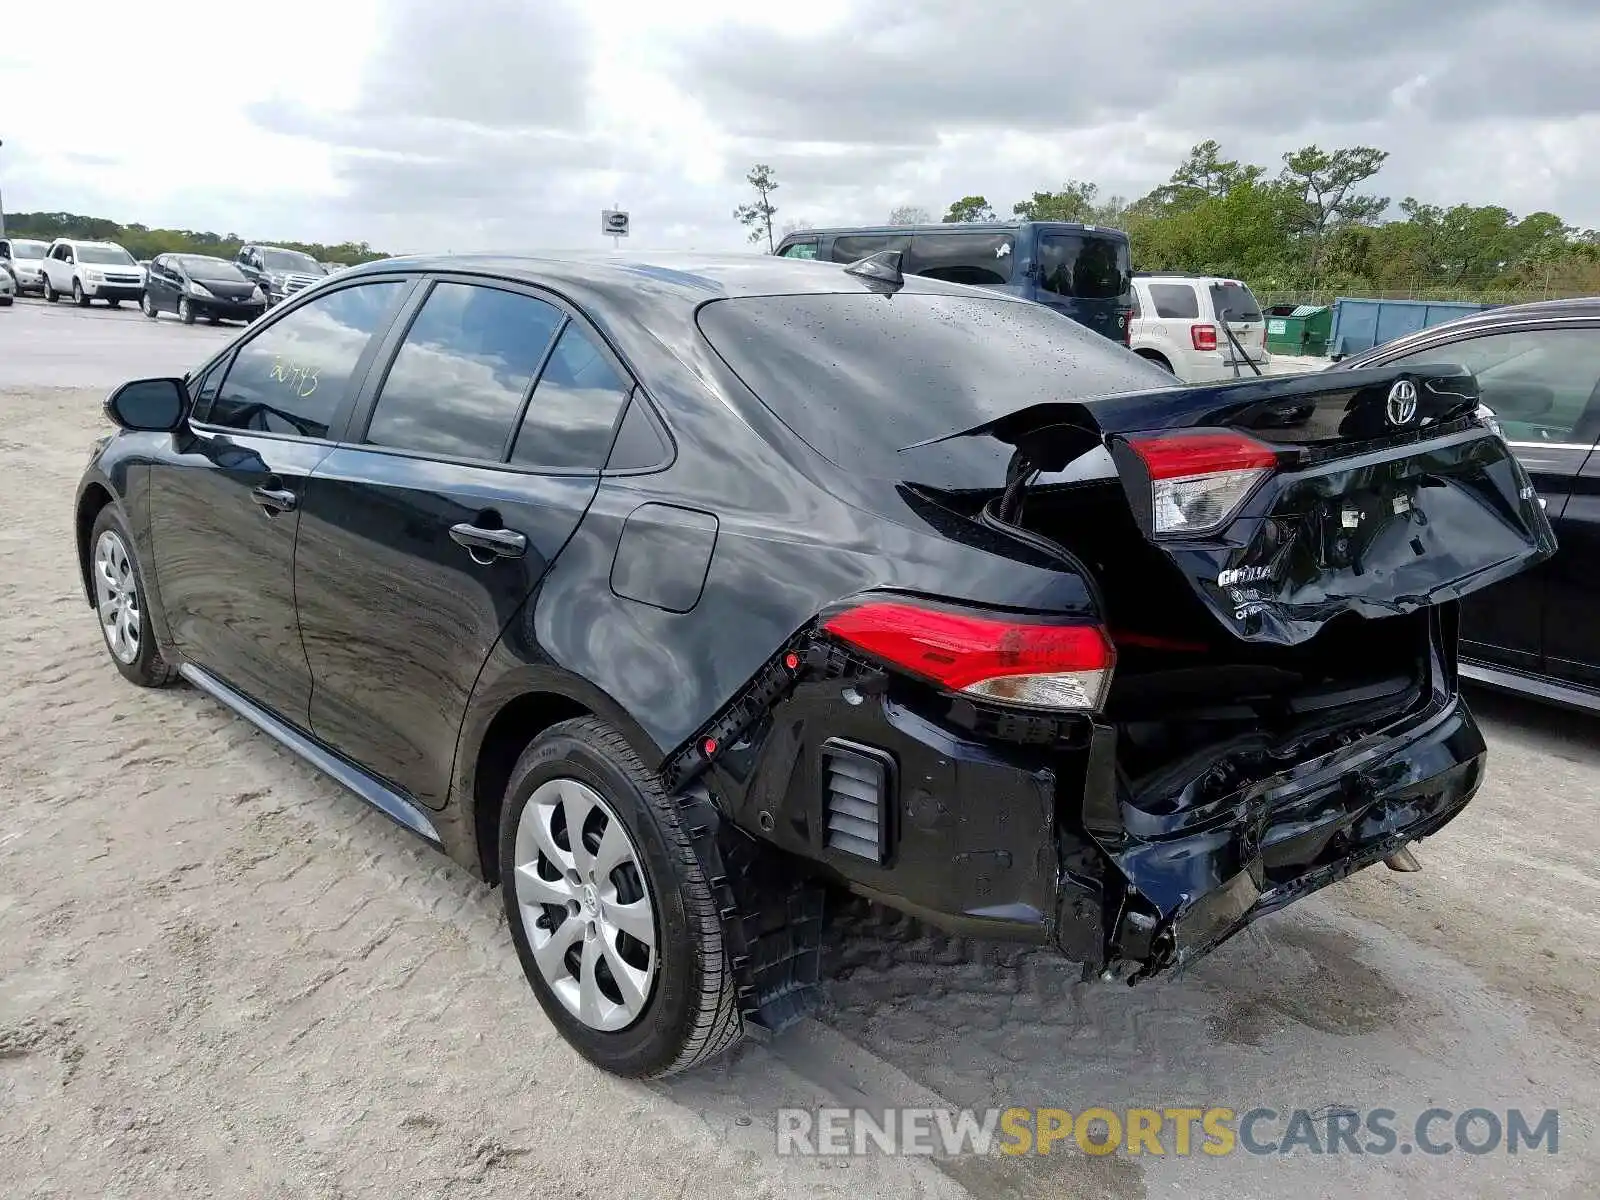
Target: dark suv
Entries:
(668, 594)
(1082, 271)
(280, 273)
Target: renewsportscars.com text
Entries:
(1176, 1131)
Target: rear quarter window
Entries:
(1175, 301)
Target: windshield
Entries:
(1085, 266)
(200, 267)
(1236, 300)
(107, 255)
(21, 249)
(858, 376)
(291, 260)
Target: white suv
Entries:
(91, 271)
(23, 260)
(1178, 324)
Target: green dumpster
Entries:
(1299, 329)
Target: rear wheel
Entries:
(119, 603)
(1160, 360)
(610, 912)
(186, 311)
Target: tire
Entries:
(213, 319)
(79, 296)
(148, 307)
(114, 303)
(1160, 360)
(186, 311)
(48, 292)
(114, 570)
(684, 1012)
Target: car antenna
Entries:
(882, 267)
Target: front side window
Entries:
(1540, 382)
(458, 382)
(574, 409)
(292, 377)
(1175, 301)
(1084, 266)
(983, 259)
(853, 247)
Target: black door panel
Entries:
(1572, 582)
(226, 561)
(1506, 623)
(397, 615)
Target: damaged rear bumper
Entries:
(1025, 836)
(1191, 888)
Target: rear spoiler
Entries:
(1356, 405)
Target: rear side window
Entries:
(848, 248)
(976, 258)
(292, 377)
(1236, 300)
(574, 409)
(800, 250)
(466, 364)
(1084, 266)
(1175, 300)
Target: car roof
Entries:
(950, 227)
(72, 241)
(690, 278)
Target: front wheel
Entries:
(611, 914)
(79, 296)
(148, 307)
(119, 601)
(186, 311)
(49, 292)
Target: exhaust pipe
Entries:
(1402, 860)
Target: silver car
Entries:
(8, 289)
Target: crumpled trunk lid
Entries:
(1388, 492)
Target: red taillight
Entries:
(1199, 478)
(1126, 321)
(1174, 455)
(998, 658)
(1204, 337)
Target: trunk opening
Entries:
(1200, 713)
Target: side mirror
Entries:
(149, 405)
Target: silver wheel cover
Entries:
(116, 596)
(585, 904)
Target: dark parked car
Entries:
(196, 285)
(280, 272)
(1538, 366)
(1082, 271)
(669, 593)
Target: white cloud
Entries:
(488, 123)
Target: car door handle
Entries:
(502, 543)
(275, 499)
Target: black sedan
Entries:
(671, 593)
(196, 285)
(1538, 366)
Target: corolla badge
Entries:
(1402, 402)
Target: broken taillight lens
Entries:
(1199, 478)
(1005, 659)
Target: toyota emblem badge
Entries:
(1402, 402)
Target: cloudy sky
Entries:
(468, 124)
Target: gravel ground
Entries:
(221, 975)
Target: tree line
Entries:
(1314, 227)
(144, 242)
